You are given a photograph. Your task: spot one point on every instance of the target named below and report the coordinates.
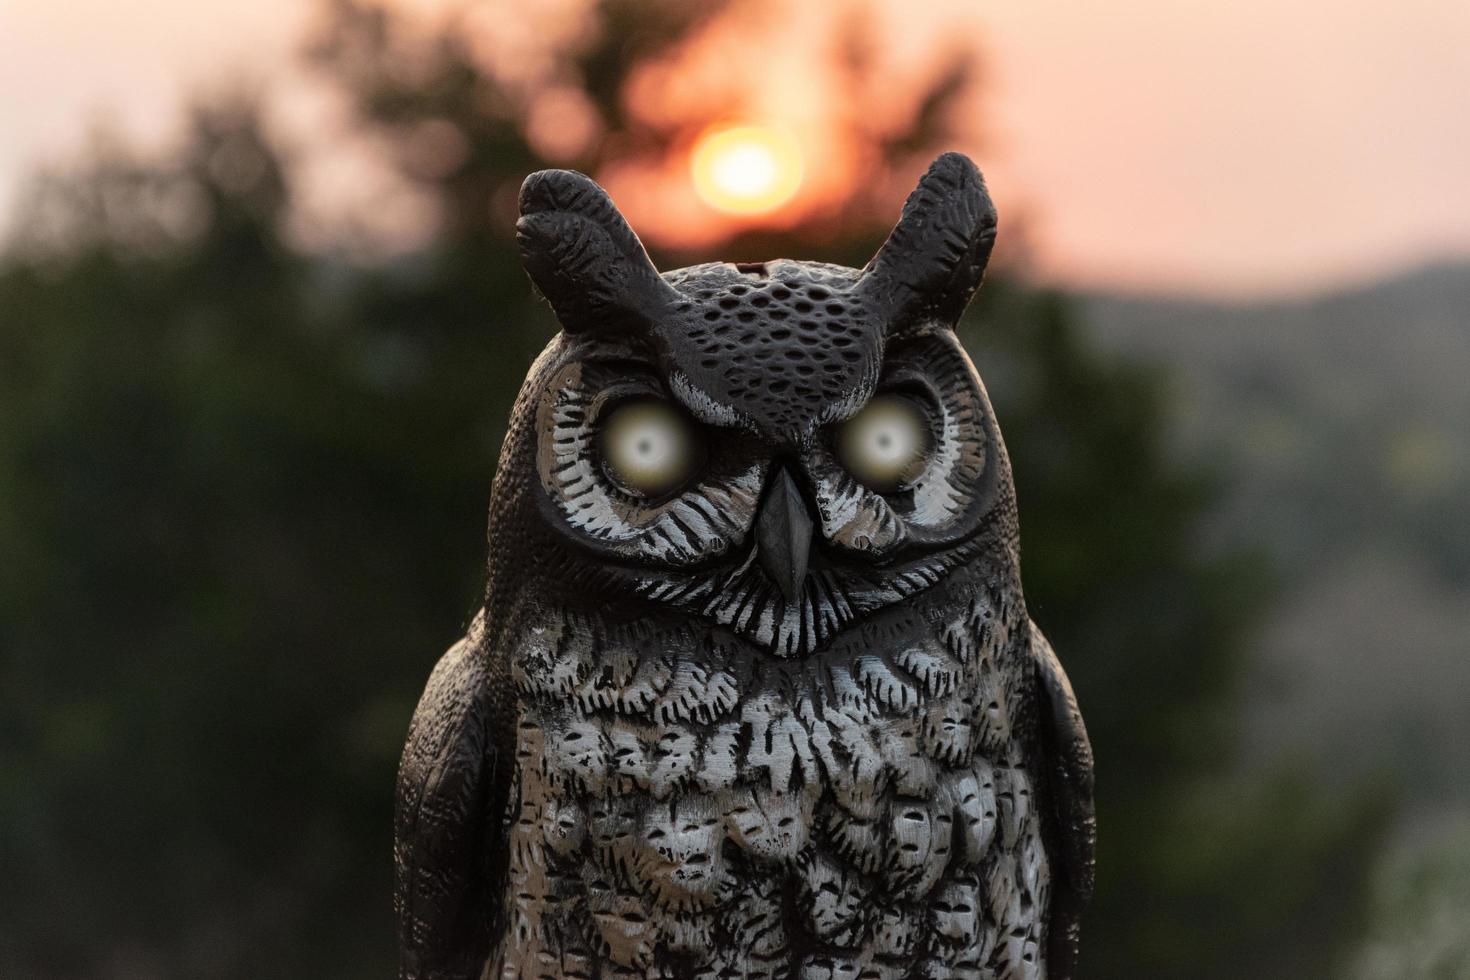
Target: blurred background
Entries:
(261, 319)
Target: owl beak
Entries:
(783, 534)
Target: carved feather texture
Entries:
(935, 257)
(852, 777)
(584, 258)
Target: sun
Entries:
(746, 169)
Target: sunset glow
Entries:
(746, 169)
(1260, 97)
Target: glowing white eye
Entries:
(648, 448)
(886, 445)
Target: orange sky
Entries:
(1223, 146)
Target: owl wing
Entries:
(449, 845)
(1067, 759)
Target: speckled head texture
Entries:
(780, 717)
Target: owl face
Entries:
(781, 447)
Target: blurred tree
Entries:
(241, 494)
(1421, 904)
(209, 501)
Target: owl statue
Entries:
(754, 691)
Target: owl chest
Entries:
(895, 812)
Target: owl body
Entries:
(677, 797)
(775, 709)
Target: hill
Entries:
(1340, 425)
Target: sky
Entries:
(1232, 148)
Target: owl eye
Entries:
(886, 445)
(648, 448)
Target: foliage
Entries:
(241, 502)
(1421, 903)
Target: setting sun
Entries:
(746, 169)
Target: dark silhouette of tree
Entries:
(241, 511)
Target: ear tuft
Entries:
(935, 257)
(583, 257)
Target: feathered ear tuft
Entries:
(583, 257)
(935, 257)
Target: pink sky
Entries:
(1224, 146)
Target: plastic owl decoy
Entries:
(754, 691)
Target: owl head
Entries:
(782, 448)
